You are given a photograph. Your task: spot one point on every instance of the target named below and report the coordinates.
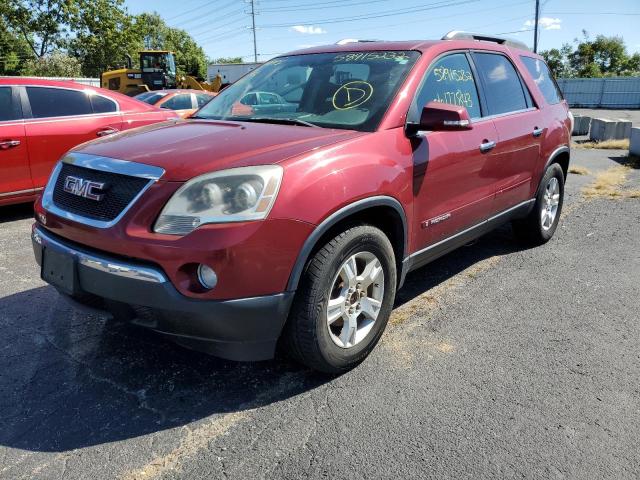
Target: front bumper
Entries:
(245, 329)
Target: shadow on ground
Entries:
(11, 213)
(497, 243)
(69, 379)
(627, 160)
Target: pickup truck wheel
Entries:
(541, 223)
(343, 302)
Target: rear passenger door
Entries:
(15, 177)
(62, 118)
(519, 126)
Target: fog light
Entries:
(207, 276)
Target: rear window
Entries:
(8, 111)
(101, 104)
(502, 86)
(179, 102)
(544, 79)
(57, 102)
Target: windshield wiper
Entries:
(284, 121)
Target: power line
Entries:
(388, 13)
(341, 4)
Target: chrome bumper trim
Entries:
(101, 263)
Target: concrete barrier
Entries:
(634, 145)
(623, 129)
(581, 125)
(602, 129)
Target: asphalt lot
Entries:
(499, 362)
(633, 115)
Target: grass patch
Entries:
(608, 184)
(604, 145)
(579, 170)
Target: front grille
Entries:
(119, 191)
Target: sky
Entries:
(222, 27)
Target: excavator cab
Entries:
(158, 69)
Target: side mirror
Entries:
(437, 116)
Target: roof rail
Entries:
(459, 35)
(346, 41)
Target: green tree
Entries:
(154, 34)
(42, 24)
(558, 62)
(602, 57)
(227, 60)
(104, 34)
(14, 51)
(55, 64)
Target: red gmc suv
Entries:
(294, 222)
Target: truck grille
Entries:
(119, 192)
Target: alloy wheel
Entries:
(355, 299)
(550, 203)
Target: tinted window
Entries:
(179, 102)
(502, 86)
(56, 102)
(450, 80)
(8, 111)
(202, 98)
(102, 105)
(250, 99)
(150, 97)
(544, 79)
(270, 99)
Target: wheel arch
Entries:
(561, 156)
(383, 212)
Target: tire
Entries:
(337, 346)
(539, 226)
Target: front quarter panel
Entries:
(317, 185)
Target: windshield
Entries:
(334, 90)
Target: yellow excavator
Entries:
(157, 72)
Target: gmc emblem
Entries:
(84, 188)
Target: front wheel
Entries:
(344, 301)
(541, 223)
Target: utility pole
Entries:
(253, 28)
(535, 27)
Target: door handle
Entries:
(6, 144)
(106, 131)
(537, 131)
(487, 145)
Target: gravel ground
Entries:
(499, 362)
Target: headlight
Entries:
(235, 195)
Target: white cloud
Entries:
(308, 29)
(547, 23)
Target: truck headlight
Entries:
(234, 195)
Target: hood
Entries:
(188, 148)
